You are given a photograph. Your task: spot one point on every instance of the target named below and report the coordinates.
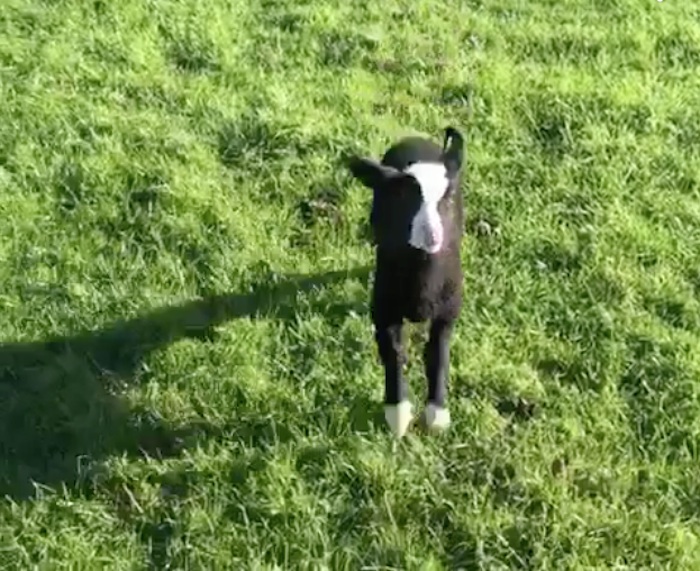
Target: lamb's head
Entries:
(413, 190)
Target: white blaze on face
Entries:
(426, 230)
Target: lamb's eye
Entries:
(414, 193)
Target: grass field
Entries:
(188, 378)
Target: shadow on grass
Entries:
(60, 403)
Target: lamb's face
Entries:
(405, 208)
(412, 193)
(427, 227)
(395, 206)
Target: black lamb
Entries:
(417, 220)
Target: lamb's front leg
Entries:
(437, 363)
(397, 407)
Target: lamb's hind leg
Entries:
(437, 362)
(397, 407)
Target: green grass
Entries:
(188, 378)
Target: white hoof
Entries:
(398, 417)
(436, 417)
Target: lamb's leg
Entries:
(437, 362)
(397, 407)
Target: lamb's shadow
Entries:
(61, 400)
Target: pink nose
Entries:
(433, 238)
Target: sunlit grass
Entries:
(188, 378)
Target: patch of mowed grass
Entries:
(187, 371)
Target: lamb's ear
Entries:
(371, 173)
(453, 150)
